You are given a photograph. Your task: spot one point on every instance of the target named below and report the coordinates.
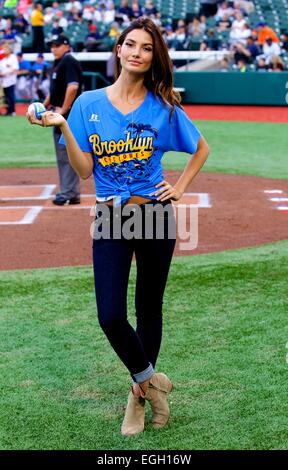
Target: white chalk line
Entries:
(28, 218)
(46, 194)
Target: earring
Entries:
(152, 75)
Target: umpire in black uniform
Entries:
(65, 87)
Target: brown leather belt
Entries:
(133, 200)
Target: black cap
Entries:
(59, 40)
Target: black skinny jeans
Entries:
(112, 258)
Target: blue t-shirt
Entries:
(24, 65)
(127, 149)
(42, 66)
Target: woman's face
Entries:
(136, 52)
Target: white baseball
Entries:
(34, 107)
(31, 110)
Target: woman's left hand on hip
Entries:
(167, 191)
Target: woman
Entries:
(121, 133)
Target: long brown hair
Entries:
(159, 78)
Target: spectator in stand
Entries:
(149, 9)
(109, 13)
(264, 32)
(74, 4)
(224, 10)
(98, 12)
(91, 25)
(21, 25)
(63, 22)
(204, 46)
(37, 22)
(55, 8)
(8, 73)
(49, 16)
(248, 52)
(10, 37)
(224, 65)
(252, 47)
(169, 36)
(203, 21)
(242, 66)
(180, 37)
(93, 39)
(73, 16)
(78, 18)
(240, 35)
(114, 31)
(277, 65)
(239, 21)
(270, 49)
(9, 32)
(3, 23)
(284, 40)
(238, 9)
(261, 65)
(56, 28)
(87, 13)
(24, 7)
(124, 13)
(23, 83)
(196, 28)
(137, 10)
(247, 6)
(224, 23)
(208, 8)
(211, 42)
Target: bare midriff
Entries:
(133, 200)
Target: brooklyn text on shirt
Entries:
(112, 151)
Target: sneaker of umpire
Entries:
(61, 200)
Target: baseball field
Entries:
(225, 342)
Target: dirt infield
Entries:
(244, 211)
(276, 114)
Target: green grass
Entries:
(258, 149)
(23, 145)
(224, 346)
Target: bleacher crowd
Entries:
(93, 25)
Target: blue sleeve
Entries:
(76, 123)
(184, 136)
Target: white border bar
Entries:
(45, 194)
(28, 218)
(104, 56)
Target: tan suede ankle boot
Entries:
(156, 394)
(133, 422)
